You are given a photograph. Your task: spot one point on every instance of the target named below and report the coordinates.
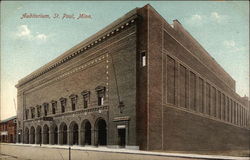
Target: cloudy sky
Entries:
(222, 28)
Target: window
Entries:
(32, 112)
(27, 113)
(63, 104)
(171, 81)
(143, 59)
(100, 100)
(46, 107)
(73, 98)
(86, 96)
(38, 111)
(54, 106)
(100, 90)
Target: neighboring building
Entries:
(138, 83)
(8, 130)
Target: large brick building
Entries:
(139, 83)
(8, 130)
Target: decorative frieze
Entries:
(75, 113)
(86, 47)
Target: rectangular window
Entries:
(213, 105)
(38, 111)
(54, 105)
(201, 95)
(226, 109)
(223, 107)
(73, 103)
(182, 80)
(46, 107)
(170, 80)
(208, 99)
(86, 96)
(219, 105)
(85, 103)
(192, 88)
(100, 101)
(63, 105)
(235, 113)
(246, 117)
(229, 110)
(100, 95)
(143, 59)
(231, 104)
(33, 113)
(73, 98)
(241, 122)
(27, 114)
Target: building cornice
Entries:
(103, 35)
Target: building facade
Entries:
(138, 83)
(8, 130)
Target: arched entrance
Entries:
(55, 135)
(86, 133)
(45, 134)
(32, 135)
(63, 133)
(38, 135)
(74, 133)
(26, 135)
(101, 132)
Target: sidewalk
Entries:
(125, 151)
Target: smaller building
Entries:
(8, 130)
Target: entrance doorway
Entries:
(64, 134)
(55, 135)
(87, 133)
(75, 134)
(102, 133)
(122, 137)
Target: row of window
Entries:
(198, 95)
(3, 127)
(33, 112)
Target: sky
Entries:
(222, 28)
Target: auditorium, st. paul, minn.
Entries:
(139, 83)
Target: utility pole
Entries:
(69, 153)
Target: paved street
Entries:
(46, 152)
(8, 157)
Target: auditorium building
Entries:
(139, 83)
